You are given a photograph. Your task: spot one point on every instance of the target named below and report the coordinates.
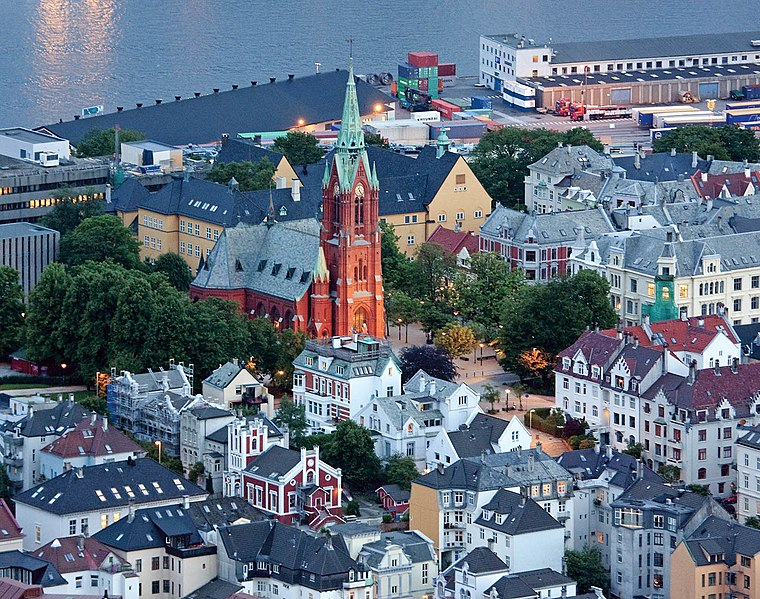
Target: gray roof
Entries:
(42, 572)
(396, 493)
(414, 546)
(274, 462)
(14, 230)
(527, 585)
(81, 489)
(152, 381)
(150, 528)
(128, 196)
(216, 589)
(730, 167)
(221, 511)
(716, 537)
(749, 337)
(751, 438)
(662, 166)
(481, 436)
(49, 422)
(400, 408)
(656, 496)
(223, 376)
(207, 412)
(521, 515)
(567, 160)
(481, 560)
(28, 135)
(279, 260)
(365, 357)
(593, 463)
(270, 107)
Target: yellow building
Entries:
(720, 559)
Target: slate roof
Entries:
(654, 495)
(149, 529)
(480, 436)
(662, 166)
(222, 511)
(521, 516)
(481, 560)
(592, 464)
(270, 107)
(365, 357)
(93, 437)
(528, 584)
(209, 412)
(454, 241)
(42, 571)
(220, 436)
(396, 493)
(247, 257)
(153, 381)
(749, 337)
(9, 526)
(597, 349)
(274, 462)
(715, 537)
(289, 547)
(65, 554)
(414, 546)
(224, 375)
(443, 389)
(400, 408)
(52, 421)
(750, 438)
(721, 167)
(216, 589)
(128, 196)
(567, 160)
(77, 489)
(246, 150)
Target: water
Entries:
(58, 56)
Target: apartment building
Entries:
(747, 472)
(28, 249)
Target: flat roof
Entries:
(13, 230)
(657, 75)
(12, 167)
(147, 144)
(28, 135)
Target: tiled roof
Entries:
(396, 493)
(520, 515)
(597, 349)
(528, 584)
(567, 160)
(9, 527)
(224, 375)
(270, 107)
(481, 560)
(735, 184)
(76, 554)
(93, 437)
(109, 486)
(662, 166)
(42, 572)
(592, 464)
(454, 241)
(274, 462)
(150, 528)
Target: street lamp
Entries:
(506, 392)
(159, 445)
(481, 353)
(399, 321)
(531, 421)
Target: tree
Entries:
(44, 339)
(582, 136)
(293, 416)
(167, 461)
(353, 509)
(352, 449)
(299, 147)
(491, 395)
(634, 450)
(97, 142)
(101, 238)
(375, 139)
(67, 215)
(586, 568)
(703, 490)
(401, 309)
(249, 175)
(401, 471)
(196, 471)
(752, 522)
(5, 483)
(435, 361)
(94, 403)
(396, 267)
(725, 143)
(458, 340)
(432, 272)
(176, 270)
(671, 474)
(536, 363)
(11, 310)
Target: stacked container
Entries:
(420, 72)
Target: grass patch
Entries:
(11, 386)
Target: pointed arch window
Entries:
(359, 205)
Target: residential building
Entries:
(719, 558)
(91, 442)
(23, 440)
(331, 283)
(725, 186)
(463, 244)
(519, 531)
(445, 501)
(273, 559)
(245, 439)
(232, 385)
(355, 535)
(535, 584)
(196, 424)
(165, 548)
(27, 569)
(149, 405)
(294, 487)
(247, 150)
(393, 498)
(90, 568)
(28, 249)
(482, 434)
(540, 244)
(11, 535)
(406, 424)
(471, 575)
(88, 499)
(750, 340)
(402, 564)
(650, 519)
(211, 514)
(335, 378)
(747, 472)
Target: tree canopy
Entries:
(100, 238)
(176, 270)
(375, 139)
(725, 143)
(351, 448)
(299, 148)
(585, 566)
(396, 267)
(456, 339)
(11, 309)
(67, 215)
(401, 471)
(436, 361)
(500, 161)
(98, 142)
(293, 416)
(249, 175)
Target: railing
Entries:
(14, 461)
(191, 551)
(454, 525)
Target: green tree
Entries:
(11, 310)
(740, 144)
(249, 175)
(491, 394)
(293, 416)
(401, 310)
(44, 339)
(401, 471)
(97, 142)
(435, 361)
(299, 148)
(396, 267)
(353, 509)
(582, 136)
(671, 474)
(67, 215)
(375, 139)
(585, 566)
(93, 403)
(634, 450)
(752, 522)
(176, 270)
(219, 334)
(725, 143)
(432, 272)
(352, 449)
(196, 471)
(5, 483)
(703, 490)
(100, 238)
(458, 340)
(167, 461)
(289, 345)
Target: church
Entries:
(319, 275)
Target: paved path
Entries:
(45, 390)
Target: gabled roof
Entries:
(527, 585)
(42, 571)
(9, 526)
(592, 464)
(567, 160)
(94, 438)
(734, 184)
(53, 421)
(399, 409)
(657, 495)
(128, 196)
(76, 554)
(520, 515)
(224, 375)
(719, 540)
(749, 336)
(153, 381)
(364, 357)
(481, 560)
(108, 486)
(751, 438)
(274, 462)
(662, 166)
(271, 107)
(454, 241)
(246, 150)
(395, 492)
(414, 546)
(480, 436)
(216, 589)
(150, 528)
(222, 511)
(597, 349)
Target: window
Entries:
(166, 562)
(78, 582)
(410, 240)
(737, 305)
(658, 538)
(634, 285)
(155, 587)
(441, 218)
(425, 577)
(72, 527)
(460, 216)
(166, 586)
(755, 282)
(155, 563)
(478, 214)
(138, 566)
(737, 284)
(208, 232)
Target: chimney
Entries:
(108, 193)
(747, 173)
(66, 466)
(672, 151)
(735, 365)
(158, 101)
(131, 512)
(272, 79)
(531, 462)
(608, 451)
(71, 399)
(216, 90)
(186, 501)
(422, 383)
(701, 322)
(139, 104)
(80, 472)
(165, 381)
(431, 388)
(519, 452)
(93, 418)
(177, 98)
(681, 178)
(439, 467)
(296, 190)
(290, 77)
(669, 237)
(80, 544)
(235, 86)
(197, 94)
(637, 161)
(119, 108)
(254, 83)
(694, 159)
(105, 423)
(635, 342)
(704, 177)
(639, 470)
(709, 204)
(665, 358)
(710, 158)
(491, 544)
(692, 371)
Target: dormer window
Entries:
(596, 372)
(565, 363)
(634, 386)
(499, 518)
(620, 382)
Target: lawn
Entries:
(13, 386)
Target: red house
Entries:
(294, 487)
(394, 499)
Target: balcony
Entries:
(562, 516)
(14, 461)
(454, 525)
(183, 553)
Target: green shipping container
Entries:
(433, 82)
(433, 93)
(433, 71)
(403, 81)
(424, 72)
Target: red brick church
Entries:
(319, 276)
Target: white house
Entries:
(472, 575)
(196, 424)
(232, 384)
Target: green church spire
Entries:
(351, 136)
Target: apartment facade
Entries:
(28, 249)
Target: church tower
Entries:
(350, 236)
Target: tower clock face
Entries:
(360, 191)
(336, 190)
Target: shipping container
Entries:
(433, 82)
(448, 69)
(408, 131)
(517, 95)
(433, 71)
(440, 85)
(423, 85)
(423, 59)
(394, 88)
(704, 120)
(742, 105)
(751, 92)
(459, 130)
(427, 116)
(479, 112)
(645, 116)
(424, 72)
(659, 120)
(481, 102)
(448, 81)
(408, 71)
(433, 93)
(463, 103)
(746, 115)
(447, 109)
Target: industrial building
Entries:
(28, 249)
